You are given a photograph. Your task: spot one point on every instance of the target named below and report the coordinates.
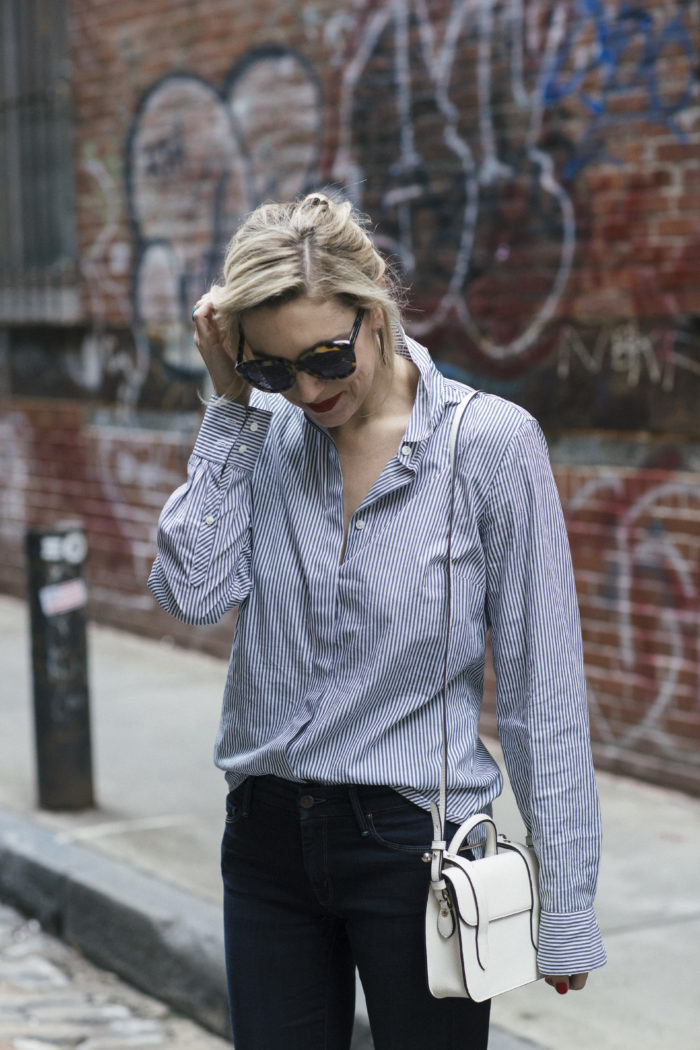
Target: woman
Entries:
(316, 504)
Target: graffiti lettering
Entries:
(656, 355)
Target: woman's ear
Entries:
(376, 319)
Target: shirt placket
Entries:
(363, 524)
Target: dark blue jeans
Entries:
(319, 880)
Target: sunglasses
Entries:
(329, 359)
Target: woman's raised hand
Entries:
(217, 355)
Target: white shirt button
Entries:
(209, 519)
(253, 426)
(359, 524)
(405, 450)
(242, 448)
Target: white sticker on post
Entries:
(57, 598)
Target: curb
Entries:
(158, 938)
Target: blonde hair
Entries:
(317, 246)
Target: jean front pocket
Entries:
(234, 840)
(233, 814)
(402, 826)
(238, 803)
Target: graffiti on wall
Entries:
(458, 165)
(198, 159)
(657, 356)
(432, 199)
(652, 590)
(135, 475)
(462, 132)
(605, 39)
(466, 217)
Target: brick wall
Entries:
(635, 540)
(61, 460)
(535, 171)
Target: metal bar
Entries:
(57, 605)
(15, 241)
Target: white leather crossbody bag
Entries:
(482, 915)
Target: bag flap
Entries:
(490, 888)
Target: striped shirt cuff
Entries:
(569, 942)
(231, 433)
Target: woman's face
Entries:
(286, 331)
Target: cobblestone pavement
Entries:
(51, 998)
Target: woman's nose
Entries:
(309, 388)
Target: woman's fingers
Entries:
(207, 335)
(563, 982)
(203, 307)
(559, 982)
(217, 355)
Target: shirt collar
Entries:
(434, 391)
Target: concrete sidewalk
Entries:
(135, 883)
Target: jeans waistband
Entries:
(317, 796)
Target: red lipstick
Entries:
(323, 406)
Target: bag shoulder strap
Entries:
(439, 812)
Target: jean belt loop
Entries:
(357, 809)
(246, 796)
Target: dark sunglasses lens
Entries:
(329, 362)
(271, 376)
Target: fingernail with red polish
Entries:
(562, 988)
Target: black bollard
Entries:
(57, 605)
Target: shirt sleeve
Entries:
(543, 724)
(202, 568)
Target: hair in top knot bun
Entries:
(317, 247)
(316, 200)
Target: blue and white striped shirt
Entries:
(336, 668)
